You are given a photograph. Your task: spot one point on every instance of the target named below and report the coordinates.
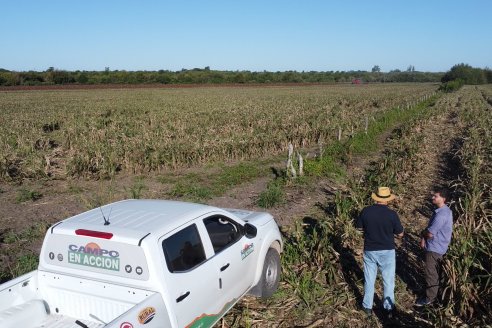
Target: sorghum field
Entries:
(64, 151)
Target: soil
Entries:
(64, 198)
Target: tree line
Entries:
(464, 72)
(207, 76)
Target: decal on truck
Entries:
(146, 315)
(94, 256)
(208, 320)
(126, 325)
(248, 249)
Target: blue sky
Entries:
(431, 35)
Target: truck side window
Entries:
(222, 231)
(184, 250)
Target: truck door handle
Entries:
(224, 267)
(182, 297)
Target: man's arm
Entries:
(397, 227)
(359, 224)
(426, 234)
(435, 225)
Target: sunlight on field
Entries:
(97, 133)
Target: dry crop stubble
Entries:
(97, 133)
(467, 266)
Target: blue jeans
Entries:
(386, 262)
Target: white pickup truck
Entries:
(145, 263)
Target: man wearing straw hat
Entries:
(380, 225)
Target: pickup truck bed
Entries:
(34, 311)
(64, 300)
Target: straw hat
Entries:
(383, 195)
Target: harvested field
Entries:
(97, 133)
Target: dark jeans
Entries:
(432, 270)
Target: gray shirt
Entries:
(441, 227)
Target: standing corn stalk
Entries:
(301, 164)
(290, 166)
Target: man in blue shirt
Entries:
(380, 225)
(435, 240)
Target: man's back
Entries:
(380, 224)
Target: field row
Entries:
(97, 133)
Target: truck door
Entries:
(232, 259)
(193, 284)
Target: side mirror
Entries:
(250, 231)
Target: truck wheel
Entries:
(270, 277)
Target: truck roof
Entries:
(132, 220)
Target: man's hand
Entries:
(422, 243)
(426, 234)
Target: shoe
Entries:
(368, 312)
(390, 314)
(423, 302)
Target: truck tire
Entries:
(270, 276)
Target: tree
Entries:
(488, 74)
(376, 69)
(468, 74)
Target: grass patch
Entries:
(190, 190)
(198, 187)
(231, 176)
(24, 264)
(75, 189)
(135, 191)
(273, 195)
(24, 195)
(329, 165)
(33, 232)
(16, 258)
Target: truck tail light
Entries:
(95, 234)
